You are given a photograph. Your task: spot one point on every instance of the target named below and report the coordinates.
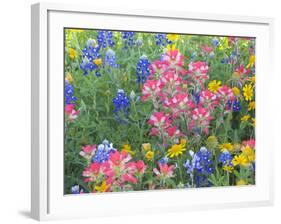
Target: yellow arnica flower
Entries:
(251, 61)
(214, 86)
(252, 106)
(245, 118)
(183, 142)
(127, 148)
(171, 47)
(223, 43)
(253, 79)
(76, 30)
(69, 78)
(226, 146)
(248, 92)
(249, 153)
(72, 53)
(172, 37)
(103, 187)
(241, 182)
(254, 122)
(146, 146)
(176, 150)
(149, 155)
(239, 160)
(98, 61)
(228, 169)
(236, 91)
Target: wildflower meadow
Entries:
(148, 111)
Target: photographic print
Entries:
(150, 111)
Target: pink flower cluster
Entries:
(70, 111)
(173, 91)
(88, 151)
(118, 172)
(165, 171)
(251, 143)
(198, 72)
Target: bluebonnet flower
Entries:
(139, 42)
(105, 38)
(91, 43)
(233, 57)
(196, 97)
(225, 158)
(190, 164)
(128, 38)
(212, 55)
(234, 105)
(215, 42)
(225, 60)
(121, 102)
(164, 160)
(68, 93)
(91, 58)
(201, 162)
(110, 59)
(162, 40)
(142, 70)
(75, 189)
(103, 151)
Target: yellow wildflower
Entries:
(98, 61)
(241, 182)
(239, 160)
(69, 78)
(149, 155)
(236, 91)
(245, 118)
(253, 79)
(248, 92)
(103, 187)
(76, 30)
(254, 122)
(223, 43)
(183, 142)
(172, 37)
(252, 105)
(72, 53)
(127, 148)
(171, 47)
(146, 146)
(228, 169)
(251, 61)
(214, 86)
(249, 153)
(228, 146)
(176, 150)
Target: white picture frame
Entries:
(48, 201)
